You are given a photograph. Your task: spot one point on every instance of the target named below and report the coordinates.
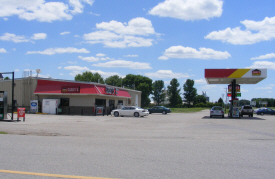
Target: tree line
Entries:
(148, 87)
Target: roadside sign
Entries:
(237, 88)
(236, 94)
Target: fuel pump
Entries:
(3, 105)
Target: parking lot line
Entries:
(50, 175)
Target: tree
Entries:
(141, 83)
(114, 80)
(174, 93)
(89, 77)
(200, 99)
(6, 78)
(189, 91)
(158, 94)
(220, 100)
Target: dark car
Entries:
(266, 111)
(159, 109)
(246, 110)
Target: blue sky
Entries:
(161, 39)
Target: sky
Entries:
(160, 39)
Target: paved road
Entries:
(153, 147)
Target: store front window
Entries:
(120, 102)
(100, 102)
(64, 102)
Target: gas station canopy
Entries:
(242, 76)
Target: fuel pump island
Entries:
(234, 77)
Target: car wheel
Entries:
(150, 112)
(136, 114)
(223, 116)
(163, 112)
(262, 114)
(251, 115)
(210, 116)
(116, 114)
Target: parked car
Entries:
(266, 111)
(130, 111)
(246, 110)
(217, 111)
(159, 109)
(255, 110)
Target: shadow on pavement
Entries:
(242, 118)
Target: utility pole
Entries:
(225, 99)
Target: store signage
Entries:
(237, 88)
(256, 72)
(70, 89)
(236, 94)
(111, 90)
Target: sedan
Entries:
(159, 109)
(130, 111)
(266, 111)
(217, 111)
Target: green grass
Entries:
(1, 132)
(187, 110)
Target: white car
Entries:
(130, 111)
(217, 111)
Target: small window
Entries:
(64, 102)
(120, 102)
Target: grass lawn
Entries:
(3, 132)
(187, 110)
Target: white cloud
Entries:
(124, 64)
(14, 38)
(39, 36)
(94, 14)
(100, 55)
(70, 62)
(188, 9)
(5, 19)
(51, 51)
(105, 74)
(136, 26)
(200, 81)
(59, 67)
(16, 70)
(76, 69)
(121, 35)
(262, 57)
(166, 74)
(61, 74)
(130, 55)
(263, 64)
(256, 31)
(89, 59)
(42, 11)
(188, 52)
(65, 33)
(267, 88)
(18, 39)
(209, 87)
(2, 50)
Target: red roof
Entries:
(61, 87)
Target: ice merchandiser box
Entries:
(50, 106)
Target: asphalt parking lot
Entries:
(189, 145)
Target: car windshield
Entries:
(247, 107)
(217, 108)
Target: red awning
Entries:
(62, 87)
